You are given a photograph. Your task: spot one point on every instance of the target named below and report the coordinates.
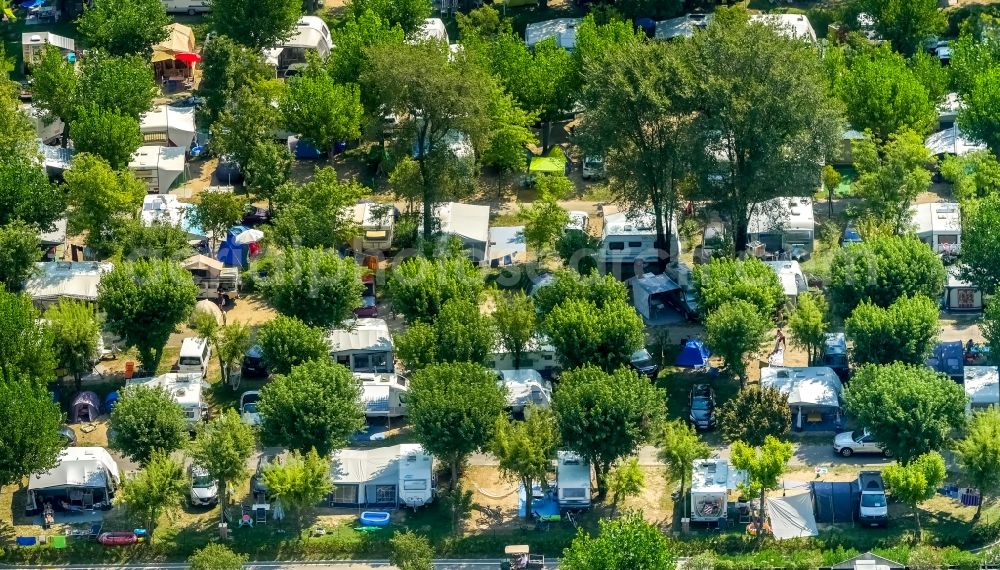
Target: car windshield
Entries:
(700, 403)
(202, 482)
(872, 500)
(250, 408)
(857, 434)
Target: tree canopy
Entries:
(516, 324)
(409, 15)
(917, 481)
(974, 175)
(143, 302)
(735, 331)
(903, 332)
(318, 213)
(453, 409)
(160, 486)
(583, 333)
(226, 68)
(623, 544)
(905, 23)
(460, 333)
(107, 134)
(565, 285)
(909, 409)
(808, 325)
(215, 556)
(890, 176)
(27, 350)
(723, 280)
(755, 414)
(981, 243)
(223, 447)
(884, 268)
(19, 247)
(524, 449)
(764, 465)
(76, 333)
(256, 24)
(146, 420)
(26, 193)
(30, 441)
(320, 109)
(300, 482)
(625, 405)
(316, 286)
(979, 453)
(103, 201)
(419, 287)
(679, 447)
(124, 27)
(315, 406)
(288, 342)
(216, 212)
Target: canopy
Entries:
(644, 288)
(180, 39)
(86, 467)
(792, 517)
(188, 57)
(380, 465)
(203, 263)
(694, 355)
(177, 123)
(547, 165)
(817, 387)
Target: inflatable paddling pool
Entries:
(117, 538)
(374, 518)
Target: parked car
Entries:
(257, 485)
(702, 403)
(204, 490)
(858, 441)
(369, 304)
(248, 408)
(873, 508)
(253, 363)
(255, 216)
(593, 167)
(642, 362)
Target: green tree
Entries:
(159, 240)
(524, 450)
(158, 488)
(639, 120)
(419, 287)
(885, 96)
(935, 77)
(766, 107)
(246, 122)
(883, 269)
(314, 285)
(453, 410)
(146, 420)
(989, 325)
(831, 180)
(315, 406)
(601, 290)
(975, 175)
(322, 110)
(106, 134)
(583, 333)
(979, 453)
(223, 447)
(26, 193)
(216, 212)
(544, 221)
(904, 332)
(226, 68)
(411, 551)
(27, 350)
(623, 544)
(578, 251)
(256, 25)
(216, 556)
(122, 84)
(361, 31)
(300, 482)
(461, 333)
(626, 480)
(909, 409)
(120, 27)
(440, 95)
(318, 213)
(981, 243)
(510, 136)
(484, 22)
(905, 23)
(890, 177)
(915, 482)
(30, 441)
(17, 133)
(268, 168)
(408, 14)
(764, 465)
(808, 325)
(76, 333)
(516, 323)
(736, 331)
(679, 447)
(229, 342)
(53, 85)
(19, 250)
(724, 280)
(626, 405)
(143, 302)
(102, 199)
(754, 414)
(288, 342)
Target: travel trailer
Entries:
(572, 480)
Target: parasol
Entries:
(248, 236)
(187, 57)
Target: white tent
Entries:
(79, 467)
(176, 124)
(65, 279)
(167, 209)
(363, 345)
(158, 166)
(432, 29)
(793, 281)
(951, 141)
(383, 476)
(816, 386)
(563, 30)
(792, 516)
(507, 245)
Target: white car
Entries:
(204, 490)
(858, 441)
(248, 408)
(593, 167)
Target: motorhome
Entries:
(363, 345)
(185, 388)
(628, 238)
(84, 478)
(193, 359)
(785, 225)
(539, 354)
(714, 483)
(525, 387)
(375, 222)
(572, 480)
(382, 395)
(939, 225)
(310, 34)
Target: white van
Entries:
(190, 7)
(194, 356)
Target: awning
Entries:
(547, 165)
(792, 517)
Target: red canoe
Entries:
(117, 538)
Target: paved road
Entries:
(457, 564)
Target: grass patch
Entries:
(678, 382)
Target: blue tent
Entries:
(948, 358)
(694, 355)
(230, 252)
(109, 402)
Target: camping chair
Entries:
(245, 518)
(260, 515)
(95, 531)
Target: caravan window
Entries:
(578, 493)
(190, 414)
(385, 493)
(635, 244)
(417, 485)
(344, 361)
(616, 245)
(344, 494)
(380, 362)
(362, 362)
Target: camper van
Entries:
(194, 356)
(190, 7)
(712, 483)
(185, 389)
(572, 480)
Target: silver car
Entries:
(204, 490)
(858, 441)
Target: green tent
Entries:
(547, 165)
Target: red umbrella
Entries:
(187, 57)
